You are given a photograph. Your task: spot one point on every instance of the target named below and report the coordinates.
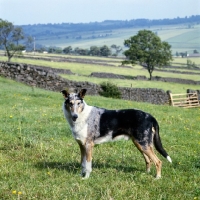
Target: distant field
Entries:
(180, 37)
(176, 60)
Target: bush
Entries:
(190, 64)
(110, 90)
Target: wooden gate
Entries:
(186, 100)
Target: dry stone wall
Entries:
(155, 78)
(46, 78)
(43, 77)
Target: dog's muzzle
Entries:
(74, 117)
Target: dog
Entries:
(92, 125)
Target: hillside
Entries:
(181, 33)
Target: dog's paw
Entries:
(83, 172)
(158, 177)
(87, 175)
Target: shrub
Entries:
(110, 90)
(190, 64)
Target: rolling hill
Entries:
(182, 33)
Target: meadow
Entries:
(39, 159)
(82, 72)
(179, 36)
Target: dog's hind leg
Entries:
(147, 159)
(148, 162)
(149, 156)
(158, 163)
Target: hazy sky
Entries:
(21, 12)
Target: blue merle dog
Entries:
(92, 125)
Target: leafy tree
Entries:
(117, 49)
(41, 49)
(76, 50)
(147, 49)
(10, 36)
(80, 51)
(54, 49)
(105, 51)
(29, 43)
(59, 50)
(183, 54)
(51, 50)
(83, 52)
(67, 50)
(177, 54)
(94, 51)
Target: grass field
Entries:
(179, 36)
(176, 60)
(83, 71)
(173, 87)
(40, 160)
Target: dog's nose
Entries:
(74, 117)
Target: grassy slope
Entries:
(40, 160)
(87, 69)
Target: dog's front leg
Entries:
(83, 158)
(88, 161)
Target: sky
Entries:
(23, 12)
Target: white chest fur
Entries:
(79, 127)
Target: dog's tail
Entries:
(158, 144)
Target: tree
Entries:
(183, 54)
(52, 49)
(29, 43)
(94, 51)
(105, 51)
(58, 50)
(76, 50)
(195, 51)
(177, 54)
(10, 36)
(117, 49)
(67, 50)
(147, 49)
(80, 51)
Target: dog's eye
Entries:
(70, 104)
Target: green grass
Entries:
(83, 71)
(184, 60)
(40, 160)
(179, 36)
(173, 87)
(176, 60)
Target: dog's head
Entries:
(74, 102)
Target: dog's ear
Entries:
(65, 93)
(82, 93)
